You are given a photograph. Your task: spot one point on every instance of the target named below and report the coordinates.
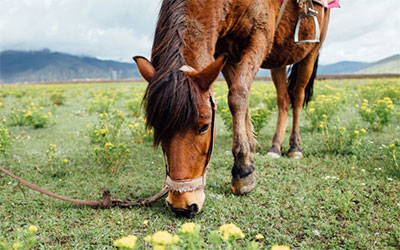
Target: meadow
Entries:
(79, 139)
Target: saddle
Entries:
(309, 12)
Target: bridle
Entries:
(189, 185)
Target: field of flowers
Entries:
(79, 139)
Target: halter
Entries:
(189, 185)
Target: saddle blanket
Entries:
(326, 3)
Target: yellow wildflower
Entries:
(368, 110)
(363, 131)
(357, 106)
(158, 247)
(392, 145)
(33, 229)
(356, 132)
(52, 145)
(259, 237)
(65, 161)
(109, 145)
(188, 227)
(127, 242)
(103, 131)
(164, 238)
(231, 230)
(323, 116)
(4, 120)
(280, 247)
(311, 110)
(146, 222)
(17, 245)
(391, 106)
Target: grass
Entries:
(326, 200)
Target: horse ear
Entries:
(208, 75)
(145, 67)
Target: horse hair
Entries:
(171, 99)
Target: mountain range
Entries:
(48, 66)
(45, 66)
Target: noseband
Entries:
(189, 185)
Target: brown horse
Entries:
(241, 34)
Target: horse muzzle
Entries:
(186, 204)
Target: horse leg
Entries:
(305, 72)
(239, 78)
(283, 102)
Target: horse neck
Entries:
(186, 33)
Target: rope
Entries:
(105, 203)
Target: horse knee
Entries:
(238, 100)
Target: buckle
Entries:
(313, 14)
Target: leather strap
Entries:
(280, 15)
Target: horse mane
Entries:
(171, 99)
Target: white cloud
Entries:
(361, 30)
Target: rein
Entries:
(180, 186)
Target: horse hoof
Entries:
(244, 185)
(273, 155)
(296, 155)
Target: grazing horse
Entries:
(195, 41)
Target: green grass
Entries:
(325, 200)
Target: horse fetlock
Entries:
(294, 140)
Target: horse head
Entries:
(180, 108)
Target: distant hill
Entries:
(48, 66)
(389, 65)
(44, 66)
(344, 67)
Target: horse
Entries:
(194, 42)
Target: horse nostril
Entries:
(188, 212)
(194, 208)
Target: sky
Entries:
(361, 30)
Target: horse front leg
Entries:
(283, 102)
(239, 78)
(304, 73)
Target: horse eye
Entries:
(204, 128)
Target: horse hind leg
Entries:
(283, 102)
(301, 81)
